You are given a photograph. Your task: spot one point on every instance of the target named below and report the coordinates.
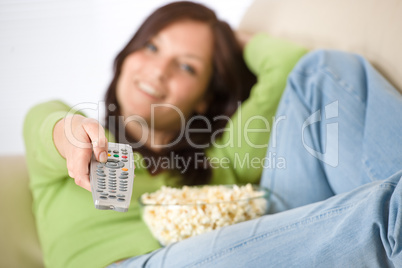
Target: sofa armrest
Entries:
(19, 244)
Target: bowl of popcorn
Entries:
(174, 214)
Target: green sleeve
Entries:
(243, 145)
(44, 162)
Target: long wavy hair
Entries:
(230, 84)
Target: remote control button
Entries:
(124, 160)
(99, 191)
(112, 188)
(124, 181)
(103, 197)
(114, 163)
(125, 153)
(108, 154)
(124, 173)
(100, 170)
(112, 180)
(112, 191)
(101, 174)
(105, 194)
(102, 187)
(123, 190)
(124, 156)
(121, 199)
(115, 151)
(123, 177)
(101, 184)
(112, 176)
(124, 169)
(116, 155)
(112, 196)
(99, 165)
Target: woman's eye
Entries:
(187, 68)
(151, 47)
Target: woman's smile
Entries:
(149, 90)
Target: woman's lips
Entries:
(149, 90)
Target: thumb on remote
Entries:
(96, 134)
(102, 157)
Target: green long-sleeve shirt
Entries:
(75, 234)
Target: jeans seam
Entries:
(388, 184)
(341, 83)
(367, 168)
(327, 70)
(304, 221)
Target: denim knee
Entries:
(331, 69)
(322, 58)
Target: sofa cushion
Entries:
(19, 245)
(371, 28)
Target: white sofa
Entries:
(369, 27)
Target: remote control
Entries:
(112, 182)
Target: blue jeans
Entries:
(337, 201)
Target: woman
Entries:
(184, 66)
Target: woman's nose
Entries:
(161, 68)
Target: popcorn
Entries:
(175, 214)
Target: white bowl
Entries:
(174, 214)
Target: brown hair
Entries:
(230, 83)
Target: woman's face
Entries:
(166, 81)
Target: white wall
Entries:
(64, 50)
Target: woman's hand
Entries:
(75, 137)
(243, 37)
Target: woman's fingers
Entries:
(243, 37)
(78, 167)
(91, 139)
(96, 134)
